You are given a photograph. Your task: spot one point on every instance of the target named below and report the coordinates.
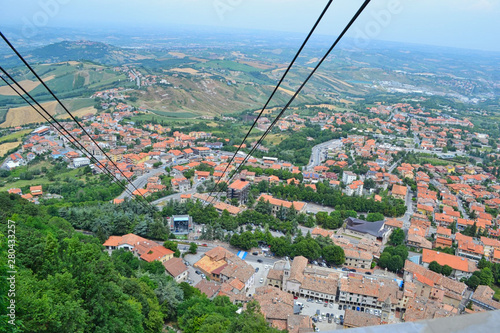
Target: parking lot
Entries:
(312, 308)
(261, 275)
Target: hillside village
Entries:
(433, 196)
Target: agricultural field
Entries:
(27, 85)
(26, 115)
(5, 147)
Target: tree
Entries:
(397, 237)
(333, 254)
(369, 183)
(453, 227)
(280, 246)
(251, 321)
(446, 270)
(435, 267)
(263, 207)
(308, 248)
(396, 263)
(193, 248)
(373, 217)
(486, 276)
(171, 245)
(473, 282)
(393, 258)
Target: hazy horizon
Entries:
(465, 24)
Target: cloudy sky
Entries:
(471, 24)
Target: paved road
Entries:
(461, 208)
(409, 209)
(177, 196)
(392, 167)
(317, 154)
(416, 140)
(140, 182)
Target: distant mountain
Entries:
(84, 50)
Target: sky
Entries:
(470, 24)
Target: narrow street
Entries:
(140, 182)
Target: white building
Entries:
(348, 177)
(81, 161)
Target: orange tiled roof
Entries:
(239, 184)
(455, 262)
(156, 253)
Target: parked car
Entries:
(345, 269)
(368, 273)
(352, 270)
(255, 253)
(310, 300)
(344, 306)
(197, 272)
(261, 280)
(259, 260)
(325, 305)
(331, 305)
(257, 269)
(340, 306)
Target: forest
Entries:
(66, 282)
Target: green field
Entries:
(16, 135)
(228, 65)
(174, 114)
(3, 112)
(43, 180)
(76, 104)
(168, 120)
(497, 292)
(438, 161)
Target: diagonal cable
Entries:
(69, 113)
(274, 91)
(351, 22)
(72, 140)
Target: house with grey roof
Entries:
(372, 230)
